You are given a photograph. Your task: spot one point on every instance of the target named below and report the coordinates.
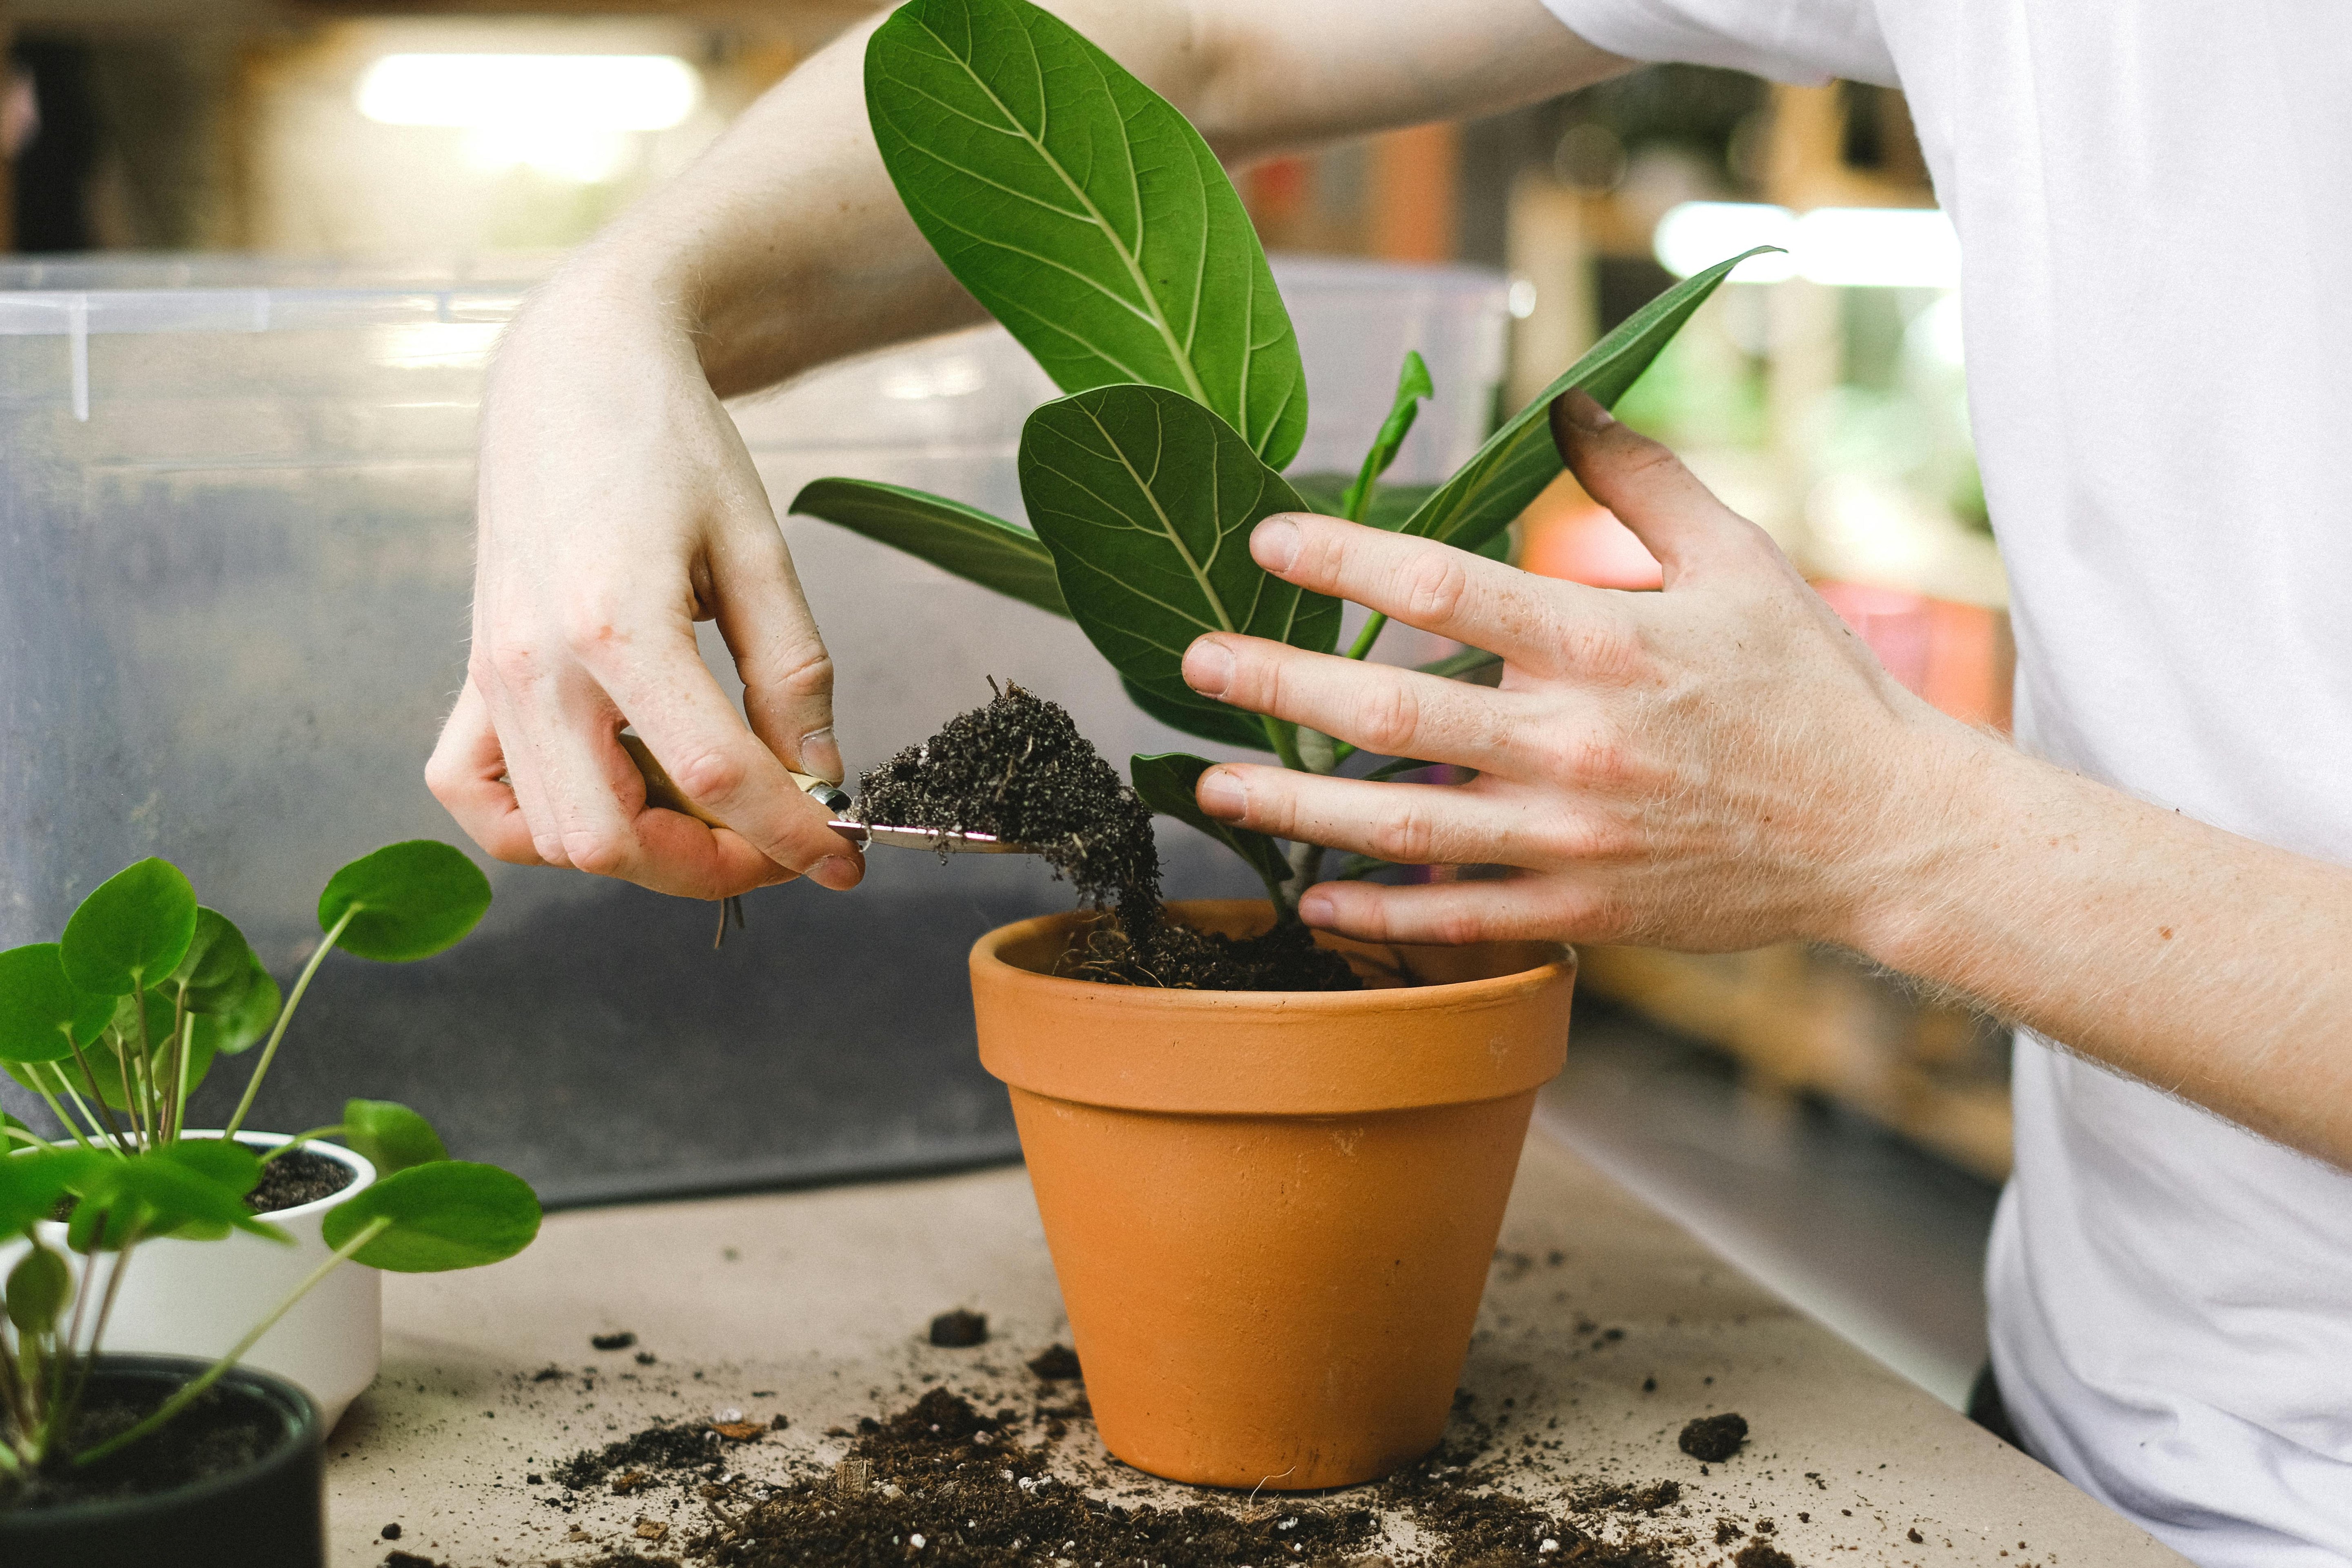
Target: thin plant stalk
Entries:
(186, 1035)
(56, 1109)
(301, 1138)
(211, 1374)
(285, 1016)
(89, 1358)
(112, 1129)
(1369, 635)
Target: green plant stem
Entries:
(301, 1138)
(55, 1109)
(1306, 865)
(1369, 635)
(26, 1135)
(284, 1017)
(63, 1416)
(105, 1116)
(1285, 742)
(211, 1374)
(142, 1110)
(186, 1036)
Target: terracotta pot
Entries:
(1272, 1212)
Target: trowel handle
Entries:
(662, 790)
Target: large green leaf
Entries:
(132, 930)
(390, 1136)
(32, 1183)
(412, 900)
(217, 972)
(1146, 499)
(949, 535)
(1204, 717)
(1519, 460)
(1168, 783)
(450, 1213)
(1083, 211)
(42, 1015)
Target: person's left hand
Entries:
(1713, 767)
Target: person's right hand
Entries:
(617, 506)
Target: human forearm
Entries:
(786, 245)
(2210, 966)
(1724, 765)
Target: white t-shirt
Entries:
(2154, 200)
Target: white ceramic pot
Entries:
(199, 1297)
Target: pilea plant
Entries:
(114, 1026)
(123, 1017)
(1091, 219)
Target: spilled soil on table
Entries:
(948, 1484)
(1018, 769)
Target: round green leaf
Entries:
(413, 898)
(31, 1184)
(452, 1214)
(221, 1161)
(218, 969)
(160, 1191)
(132, 930)
(392, 1137)
(38, 1289)
(42, 1013)
(246, 1024)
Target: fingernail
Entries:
(1208, 667)
(1585, 413)
(1274, 543)
(836, 872)
(820, 755)
(1314, 907)
(1222, 793)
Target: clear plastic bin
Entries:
(237, 504)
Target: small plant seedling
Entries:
(114, 1025)
(1091, 219)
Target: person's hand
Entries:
(618, 507)
(1715, 766)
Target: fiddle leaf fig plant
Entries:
(114, 1025)
(1091, 219)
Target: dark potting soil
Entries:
(292, 1180)
(288, 1182)
(220, 1432)
(960, 1330)
(1055, 1364)
(1712, 1438)
(1019, 769)
(951, 1486)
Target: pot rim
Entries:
(302, 1431)
(363, 1169)
(989, 950)
(1269, 1053)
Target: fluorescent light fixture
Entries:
(540, 92)
(1882, 248)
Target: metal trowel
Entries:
(662, 790)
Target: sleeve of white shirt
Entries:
(1802, 41)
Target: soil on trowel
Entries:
(949, 1485)
(1019, 769)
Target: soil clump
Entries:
(960, 1330)
(1712, 1438)
(1018, 769)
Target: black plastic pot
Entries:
(272, 1512)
